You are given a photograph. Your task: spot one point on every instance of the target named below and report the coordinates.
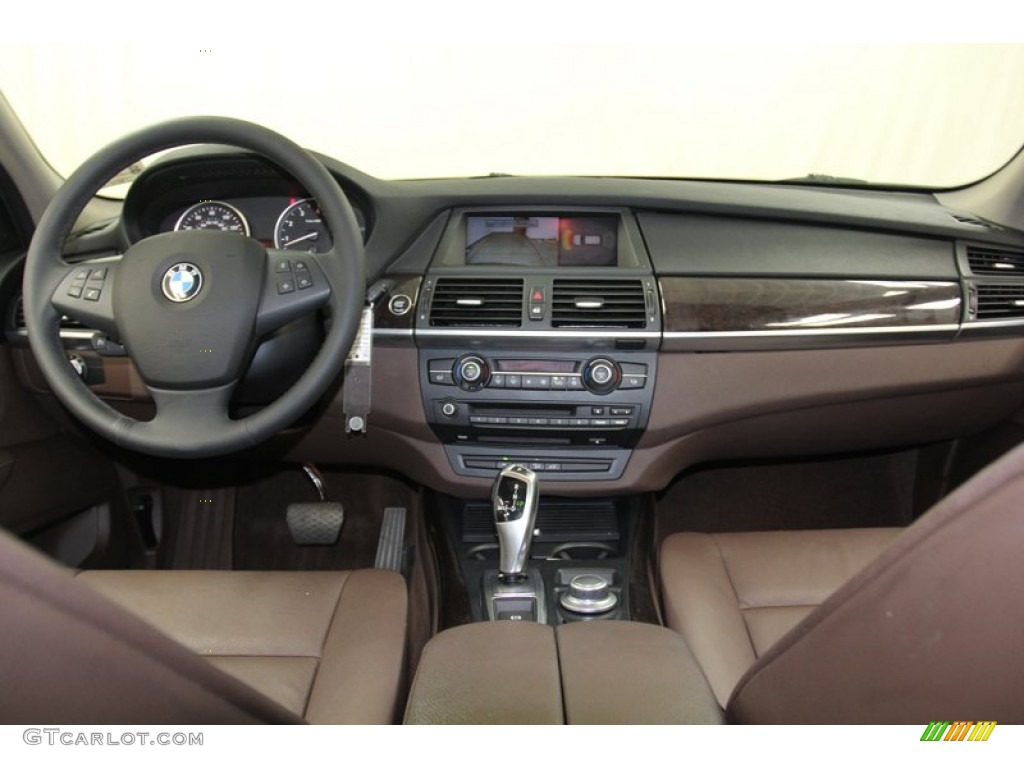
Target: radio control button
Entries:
(558, 382)
(497, 381)
(574, 382)
(621, 410)
(513, 381)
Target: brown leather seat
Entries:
(928, 627)
(198, 647)
(732, 596)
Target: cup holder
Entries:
(583, 550)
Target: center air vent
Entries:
(999, 302)
(477, 302)
(995, 261)
(596, 303)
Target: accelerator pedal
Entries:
(392, 537)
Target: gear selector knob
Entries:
(514, 499)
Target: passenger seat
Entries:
(732, 596)
(928, 627)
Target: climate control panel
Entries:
(573, 410)
(598, 375)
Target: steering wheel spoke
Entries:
(295, 285)
(85, 294)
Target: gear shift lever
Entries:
(514, 498)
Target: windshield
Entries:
(908, 115)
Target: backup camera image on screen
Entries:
(541, 241)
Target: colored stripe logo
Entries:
(959, 730)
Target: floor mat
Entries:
(198, 529)
(852, 492)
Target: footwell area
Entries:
(262, 540)
(851, 492)
(242, 526)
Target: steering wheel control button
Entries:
(82, 275)
(181, 283)
(589, 593)
(91, 294)
(75, 291)
(399, 305)
(283, 265)
(285, 286)
(303, 279)
(98, 275)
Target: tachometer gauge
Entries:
(213, 214)
(300, 227)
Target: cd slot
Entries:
(516, 408)
(524, 440)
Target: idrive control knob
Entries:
(471, 372)
(589, 593)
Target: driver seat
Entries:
(212, 647)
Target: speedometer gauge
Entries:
(213, 214)
(300, 227)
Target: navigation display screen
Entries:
(542, 241)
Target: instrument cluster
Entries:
(289, 223)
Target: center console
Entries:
(538, 333)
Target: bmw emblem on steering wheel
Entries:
(182, 282)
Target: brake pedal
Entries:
(315, 523)
(392, 537)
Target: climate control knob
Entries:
(601, 375)
(471, 372)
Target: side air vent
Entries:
(19, 318)
(995, 261)
(477, 302)
(596, 303)
(1000, 302)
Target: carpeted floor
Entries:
(853, 492)
(242, 525)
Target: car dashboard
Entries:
(609, 333)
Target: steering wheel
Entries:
(190, 306)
